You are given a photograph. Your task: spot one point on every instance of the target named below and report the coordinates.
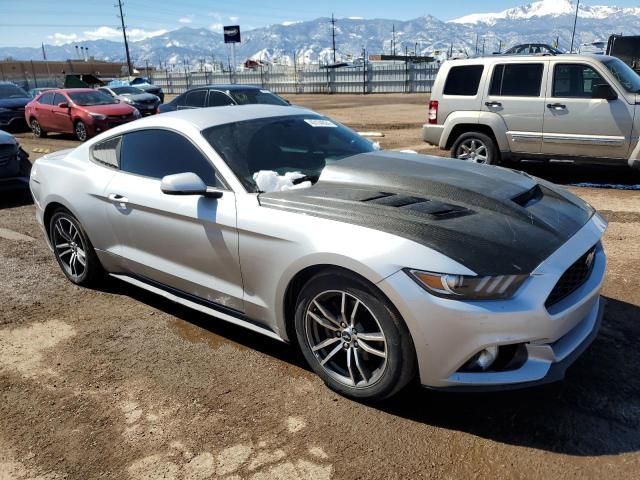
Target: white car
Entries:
(382, 266)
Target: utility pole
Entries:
(333, 37)
(484, 41)
(124, 34)
(477, 40)
(393, 39)
(575, 21)
(499, 46)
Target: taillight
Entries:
(433, 111)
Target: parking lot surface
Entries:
(118, 383)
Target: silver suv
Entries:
(584, 108)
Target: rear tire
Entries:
(368, 355)
(476, 147)
(73, 250)
(36, 128)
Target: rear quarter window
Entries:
(107, 152)
(463, 80)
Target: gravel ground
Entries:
(117, 383)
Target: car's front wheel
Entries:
(81, 131)
(73, 250)
(352, 337)
(476, 147)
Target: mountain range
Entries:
(543, 21)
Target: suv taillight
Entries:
(433, 111)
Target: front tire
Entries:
(73, 250)
(80, 130)
(476, 147)
(352, 337)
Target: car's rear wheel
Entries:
(476, 147)
(36, 128)
(80, 130)
(73, 250)
(352, 337)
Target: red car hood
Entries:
(111, 109)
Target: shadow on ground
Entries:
(594, 411)
(568, 173)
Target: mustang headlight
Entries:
(464, 287)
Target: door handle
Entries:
(119, 199)
(493, 104)
(556, 106)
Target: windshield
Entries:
(12, 91)
(126, 90)
(297, 143)
(244, 97)
(629, 79)
(90, 98)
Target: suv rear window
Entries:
(517, 80)
(464, 80)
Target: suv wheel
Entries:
(352, 337)
(476, 147)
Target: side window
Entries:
(463, 80)
(105, 91)
(218, 99)
(107, 152)
(195, 98)
(46, 99)
(517, 80)
(575, 80)
(156, 153)
(58, 99)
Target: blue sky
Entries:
(30, 22)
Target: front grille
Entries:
(573, 278)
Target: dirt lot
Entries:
(118, 383)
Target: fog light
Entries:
(483, 359)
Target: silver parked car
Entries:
(381, 266)
(583, 108)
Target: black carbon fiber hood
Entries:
(492, 220)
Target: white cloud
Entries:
(216, 27)
(234, 18)
(104, 33)
(185, 20)
(290, 22)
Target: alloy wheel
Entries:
(69, 247)
(81, 131)
(36, 128)
(472, 150)
(346, 338)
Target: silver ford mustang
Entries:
(385, 267)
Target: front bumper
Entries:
(447, 333)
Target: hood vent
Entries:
(529, 197)
(416, 204)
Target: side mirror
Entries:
(604, 92)
(187, 183)
(63, 105)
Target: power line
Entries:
(575, 21)
(124, 34)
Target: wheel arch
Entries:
(463, 128)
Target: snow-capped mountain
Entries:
(544, 8)
(310, 41)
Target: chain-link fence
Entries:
(372, 78)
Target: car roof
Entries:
(530, 58)
(230, 86)
(203, 118)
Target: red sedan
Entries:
(81, 111)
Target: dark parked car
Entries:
(14, 161)
(146, 103)
(533, 49)
(34, 92)
(12, 102)
(82, 111)
(222, 95)
(141, 83)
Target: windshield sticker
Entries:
(316, 122)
